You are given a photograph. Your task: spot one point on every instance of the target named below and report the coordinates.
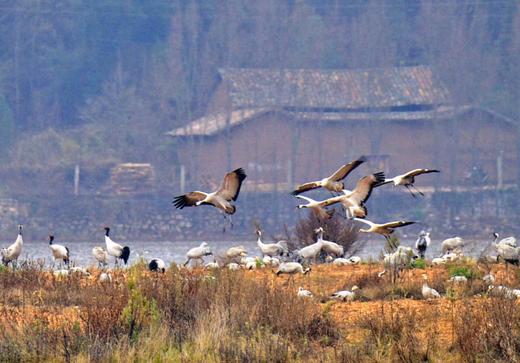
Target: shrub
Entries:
(419, 263)
(465, 271)
(336, 229)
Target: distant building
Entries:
(293, 125)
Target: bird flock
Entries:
(277, 254)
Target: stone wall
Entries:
(148, 218)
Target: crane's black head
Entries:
(107, 231)
(20, 227)
(125, 254)
(51, 238)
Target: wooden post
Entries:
(182, 178)
(76, 179)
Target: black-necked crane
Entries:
(334, 182)
(157, 265)
(511, 241)
(291, 268)
(197, 253)
(221, 198)
(331, 248)
(101, 256)
(235, 253)
(115, 249)
(384, 229)
(316, 207)
(354, 201)
(12, 252)
(59, 252)
(270, 249)
(408, 179)
(422, 243)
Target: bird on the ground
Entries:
(458, 279)
(354, 200)
(428, 292)
(59, 252)
(311, 251)
(422, 243)
(221, 198)
(270, 249)
(345, 295)
(12, 252)
(408, 179)
(233, 254)
(197, 253)
(101, 256)
(79, 271)
(115, 249)
(233, 266)
(292, 268)
(304, 293)
(384, 229)
(334, 182)
(511, 241)
(157, 265)
(451, 244)
(105, 277)
(331, 248)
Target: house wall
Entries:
(278, 150)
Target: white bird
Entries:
(334, 182)
(408, 179)
(311, 251)
(397, 260)
(451, 244)
(157, 265)
(235, 252)
(221, 198)
(428, 292)
(59, 252)
(439, 261)
(507, 250)
(115, 249)
(270, 249)
(304, 293)
(354, 201)
(422, 243)
(329, 247)
(384, 229)
(105, 277)
(341, 261)
(212, 265)
(316, 207)
(101, 255)
(354, 260)
(79, 270)
(345, 295)
(458, 279)
(233, 266)
(197, 253)
(511, 241)
(12, 252)
(291, 268)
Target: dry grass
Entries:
(252, 316)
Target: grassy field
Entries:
(253, 316)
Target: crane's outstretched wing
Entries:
(346, 169)
(231, 184)
(416, 172)
(304, 187)
(188, 199)
(364, 187)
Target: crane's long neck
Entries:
(259, 241)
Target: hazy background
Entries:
(97, 83)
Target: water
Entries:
(175, 251)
